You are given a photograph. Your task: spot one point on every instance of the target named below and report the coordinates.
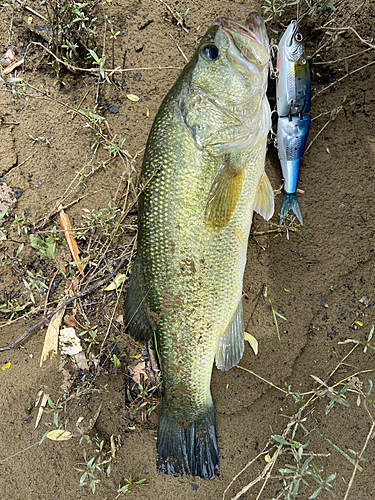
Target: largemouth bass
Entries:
(202, 177)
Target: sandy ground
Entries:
(320, 278)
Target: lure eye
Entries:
(298, 37)
(210, 52)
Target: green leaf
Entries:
(2, 215)
(279, 439)
(351, 460)
(116, 361)
(331, 478)
(94, 55)
(317, 379)
(316, 493)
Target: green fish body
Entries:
(202, 177)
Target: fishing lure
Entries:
(293, 100)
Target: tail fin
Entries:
(187, 447)
(290, 202)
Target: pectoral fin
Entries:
(264, 199)
(231, 343)
(223, 196)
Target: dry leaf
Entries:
(9, 56)
(132, 97)
(70, 320)
(6, 366)
(71, 285)
(71, 345)
(59, 435)
(40, 412)
(81, 360)
(13, 66)
(135, 372)
(120, 319)
(65, 224)
(252, 341)
(118, 280)
(51, 340)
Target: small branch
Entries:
(346, 28)
(47, 318)
(342, 78)
(35, 13)
(342, 59)
(74, 69)
(13, 66)
(179, 48)
(263, 379)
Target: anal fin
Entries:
(231, 343)
(138, 322)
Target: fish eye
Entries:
(298, 37)
(210, 52)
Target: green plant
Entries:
(294, 473)
(275, 314)
(103, 218)
(47, 246)
(72, 33)
(41, 139)
(34, 283)
(3, 234)
(89, 469)
(100, 62)
(276, 8)
(14, 85)
(366, 344)
(12, 307)
(129, 482)
(90, 336)
(146, 401)
(116, 148)
(21, 224)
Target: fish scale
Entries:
(203, 174)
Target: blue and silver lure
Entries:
(293, 97)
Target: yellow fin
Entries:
(264, 202)
(224, 195)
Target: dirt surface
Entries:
(320, 278)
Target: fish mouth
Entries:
(248, 44)
(253, 29)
